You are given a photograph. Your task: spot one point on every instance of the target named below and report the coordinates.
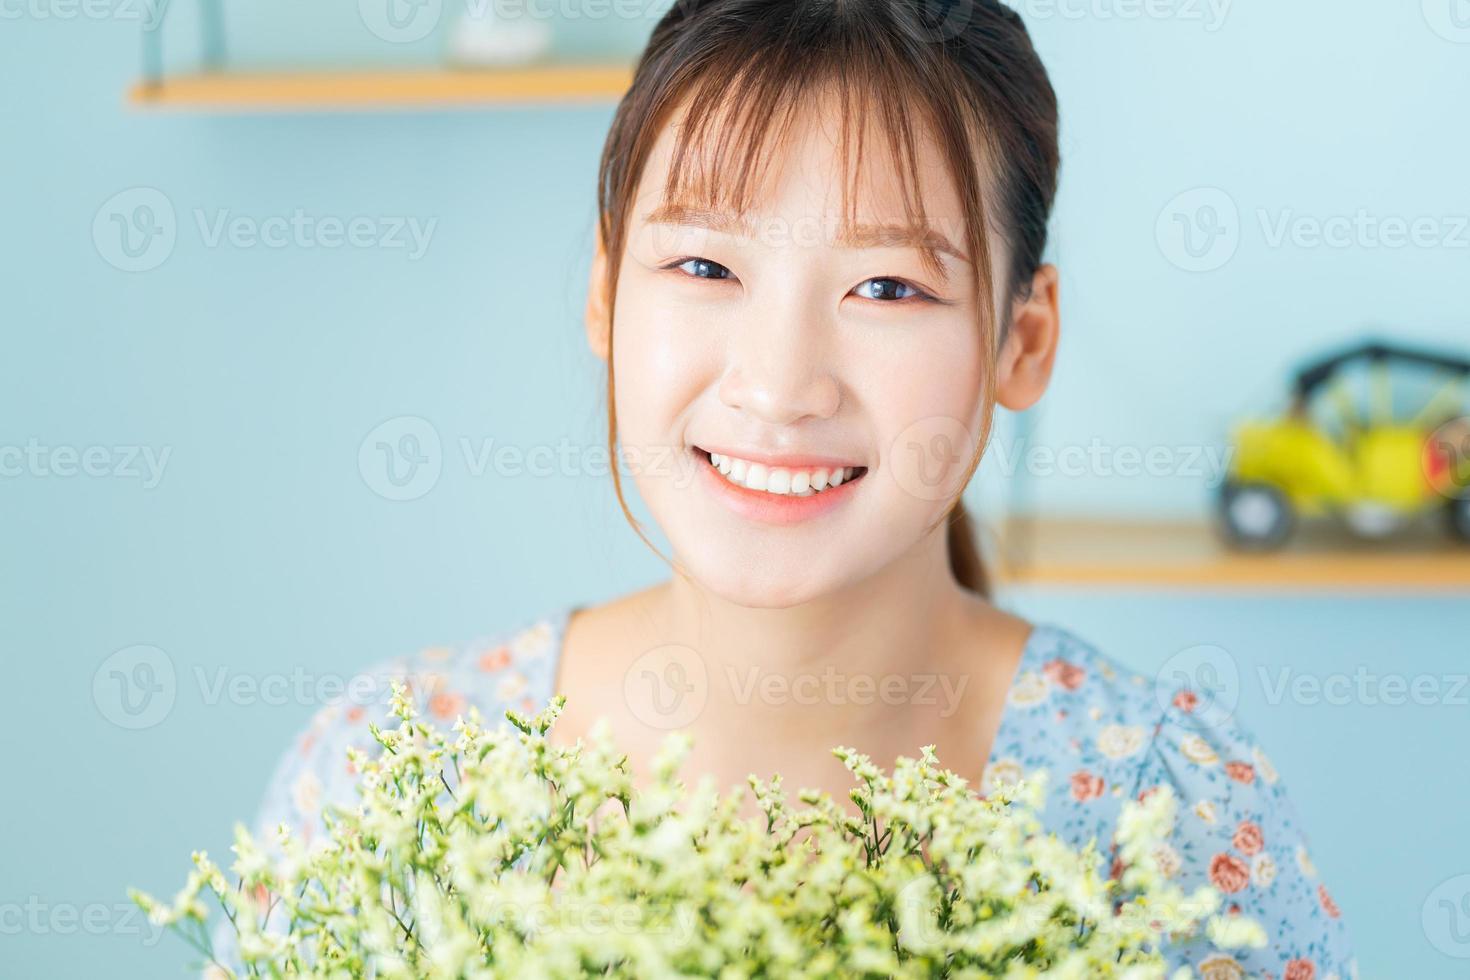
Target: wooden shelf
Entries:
(1188, 555)
(428, 89)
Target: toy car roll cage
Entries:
(1366, 468)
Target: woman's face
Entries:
(790, 346)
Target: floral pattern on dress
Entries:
(1104, 733)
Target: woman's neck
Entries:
(901, 660)
(847, 660)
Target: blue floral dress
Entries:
(1104, 733)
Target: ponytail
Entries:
(965, 560)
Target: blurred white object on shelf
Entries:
(485, 38)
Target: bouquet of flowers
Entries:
(491, 852)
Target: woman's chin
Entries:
(759, 585)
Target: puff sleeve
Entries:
(1238, 831)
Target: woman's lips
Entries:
(796, 503)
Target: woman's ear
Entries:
(1024, 367)
(599, 322)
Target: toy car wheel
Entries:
(1459, 514)
(1255, 515)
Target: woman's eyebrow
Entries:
(923, 238)
(697, 217)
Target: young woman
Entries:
(819, 269)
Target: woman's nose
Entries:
(780, 370)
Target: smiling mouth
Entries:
(780, 481)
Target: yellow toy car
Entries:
(1376, 468)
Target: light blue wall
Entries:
(263, 551)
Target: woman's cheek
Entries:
(660, 362)
(928, 412)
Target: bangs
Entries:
(740, 112)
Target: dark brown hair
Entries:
(962, 70)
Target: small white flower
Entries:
(1264, 769)
(1007, 771)
(1263, 870)
(306, 793)
(1236, 931)
(435, 655)
(532, 642)
(1168, 860)
(1030, 689)
(1304, 862)
(485, 835)
(1221, 966)
(1120, 741)
(1198, 751)
(511, 686)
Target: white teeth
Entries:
(781, 482)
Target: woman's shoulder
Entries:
(1107, 734)
(513, 667)
(1080, 714)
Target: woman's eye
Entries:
(886, 289)
(703, 269)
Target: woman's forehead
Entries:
(853, 175)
